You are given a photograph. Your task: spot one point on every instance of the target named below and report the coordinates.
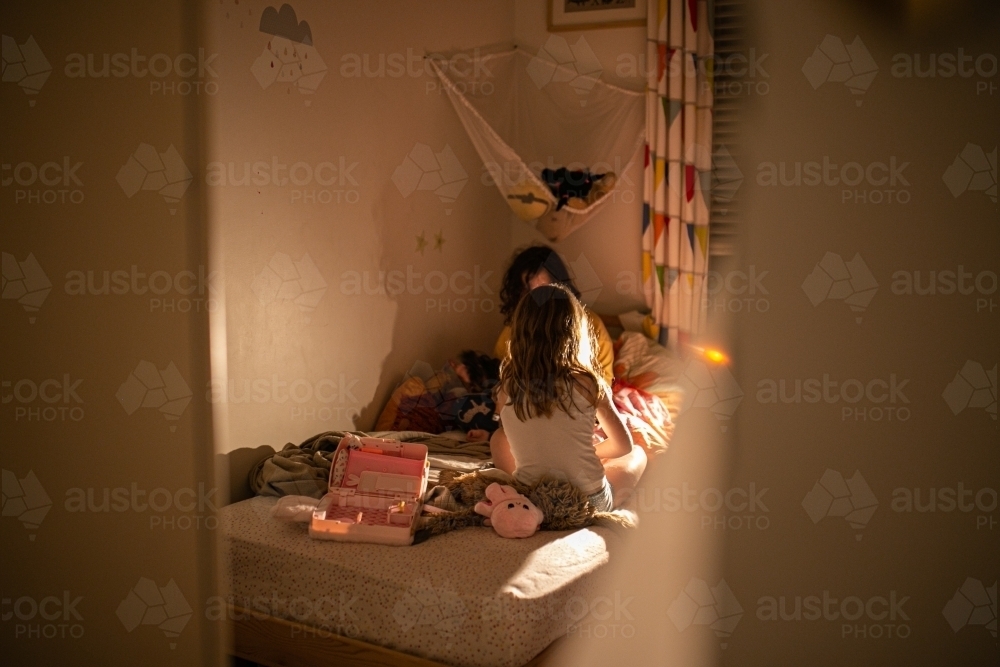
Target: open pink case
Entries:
(377, 498)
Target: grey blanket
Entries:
(303, 470)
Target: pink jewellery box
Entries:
(375, 489)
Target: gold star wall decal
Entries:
(439, 241)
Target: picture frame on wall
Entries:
(565, 15)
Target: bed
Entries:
(466, 598)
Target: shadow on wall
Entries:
(430, 326)
(442, 235)
(389, 206)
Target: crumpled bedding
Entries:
(647, 390)
(435, 402)
(303, 470)
(646, 416)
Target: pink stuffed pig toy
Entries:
(510, 513)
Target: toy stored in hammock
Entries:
(555, 139)
(578, 189)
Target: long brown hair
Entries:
(552, 349)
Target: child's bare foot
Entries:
(477, 435)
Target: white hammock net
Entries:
(525, 113)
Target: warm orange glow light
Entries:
(712, 355)
(716, 356)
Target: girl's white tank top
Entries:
(560, 445)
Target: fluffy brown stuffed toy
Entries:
(565, 507)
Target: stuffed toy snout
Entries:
(510, 513)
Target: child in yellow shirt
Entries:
(536, 266)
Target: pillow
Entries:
(476, 411)
(409, 409)
(437, 404)
(646, 365)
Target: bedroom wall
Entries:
(351, 336)
(308, 216)
(108, 496)
(604, 254)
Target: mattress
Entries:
(468, 597)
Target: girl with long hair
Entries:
(551, 390)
